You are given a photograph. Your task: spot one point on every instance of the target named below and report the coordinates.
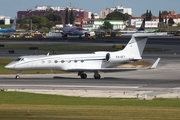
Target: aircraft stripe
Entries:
(65, 60)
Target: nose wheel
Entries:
(17, 77)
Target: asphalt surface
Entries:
(164, 81)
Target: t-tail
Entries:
(13, 27)
(136, 45)
(142, 26)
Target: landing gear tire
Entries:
(17, 77)
(83, 76)
(97, 76)
(80, 37)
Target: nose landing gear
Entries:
(18, 75)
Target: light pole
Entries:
(31, 26)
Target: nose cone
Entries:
(10, 66)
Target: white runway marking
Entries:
(68, 86)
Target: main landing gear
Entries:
(84, 76)
(80, 37)
(64, 36)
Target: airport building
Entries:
(121, 9)
(6, 20)
(43, 10)
(117, 25)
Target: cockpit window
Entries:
(17, 59)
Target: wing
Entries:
(106, 69)
(116, 69)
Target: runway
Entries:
(161, 82)
(152, 83)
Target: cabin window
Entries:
(82, 61)
(75, 61)
(62, 61)
(56, 61)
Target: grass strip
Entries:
(21, 106)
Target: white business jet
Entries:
(95, 62)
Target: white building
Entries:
(96, 16)
(121, 9)
(6, 19)
(117, 24)
(43, 8)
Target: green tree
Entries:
(165, 12)
(117, 16)
(92, 18)
(161, 23)
(2, 22)
(67, 16)
(160, 16)
(170, 21)
(44, 29)
(53, 17)
(147, 15)
(50, 24)
(150, 16)
(72, 17)
(37, 19)
(107, 26)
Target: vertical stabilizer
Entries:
(13, 27)
(142, 26)
(136, 45)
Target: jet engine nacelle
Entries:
(115, 57)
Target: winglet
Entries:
(155, 64)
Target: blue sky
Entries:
(11, 7)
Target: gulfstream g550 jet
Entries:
(97, 61)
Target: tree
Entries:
(72, 18)
(1, 21)
(53, 17)
(107, 26)
(170, 21)
(39, 19)
(67, 16)
(92, 18)
(165, 12)
(117, 16)
(147, 15)
(161, 23)
(150, 16)
(160, 16)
